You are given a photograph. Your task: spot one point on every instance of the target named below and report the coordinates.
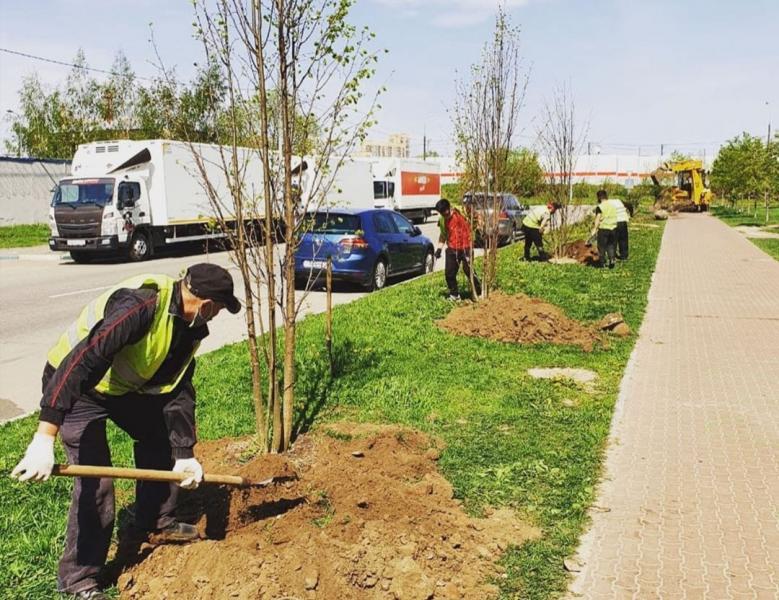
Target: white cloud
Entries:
(452, 13)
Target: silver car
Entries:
(481, 208)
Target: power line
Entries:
(67, 64)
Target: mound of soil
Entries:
(519, 319)
(581, 252)
(368, 516)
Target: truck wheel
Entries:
(81, 258)
(140, 247)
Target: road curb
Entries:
(35, 257)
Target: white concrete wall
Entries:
(25, 189)
(626, 169)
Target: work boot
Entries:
(176, 532)
(93, 594)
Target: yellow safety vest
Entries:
(535, 216)
(134, 365)
(623, 216)
(608, 217)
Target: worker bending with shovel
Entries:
(129, 357)
(533, 226)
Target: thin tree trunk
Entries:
(329, 316)
(273, 399)
(289, 232)
(242, 259)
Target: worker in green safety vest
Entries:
(533, 226)
(621, 233)
(606, 229)
(128, 357)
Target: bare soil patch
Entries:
(368, 517)
(581, 252)
(583, 376)
(519, 319)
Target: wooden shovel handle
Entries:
(144, 474)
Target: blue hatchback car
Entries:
(367, 246)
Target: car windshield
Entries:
(84, 191)
(335, 223)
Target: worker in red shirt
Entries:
(455, 232)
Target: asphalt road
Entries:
(41, 295)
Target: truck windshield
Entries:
(84, 191)
(335, 223)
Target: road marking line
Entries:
(97, 289)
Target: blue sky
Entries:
(691, 73)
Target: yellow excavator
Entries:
(682, 186)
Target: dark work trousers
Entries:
(622, 240)
(91, 516)
(455, 258)
(533, 236)
(607, 240)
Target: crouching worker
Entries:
(455, 232)
(128, 357)
(533, 226)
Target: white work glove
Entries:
(38, 460)
(191, 467)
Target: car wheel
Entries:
(140, 247)
(81, 258)
(379, 276)
(429, 264)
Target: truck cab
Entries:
(94, 215)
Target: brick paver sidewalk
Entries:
(689, 506)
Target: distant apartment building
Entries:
(397, 145)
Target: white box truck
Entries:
(132, 196)
(409, 186)
(345, 185)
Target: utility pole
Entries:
(662, 149)
(589, 148)
(768, 156)
(424, 143)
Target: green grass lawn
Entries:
(743, 215)
(511, 440)
(769, 246)
(19, 236)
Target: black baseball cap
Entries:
(212, 282)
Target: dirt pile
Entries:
(368, 517)
(519, 319)
(581, 252)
